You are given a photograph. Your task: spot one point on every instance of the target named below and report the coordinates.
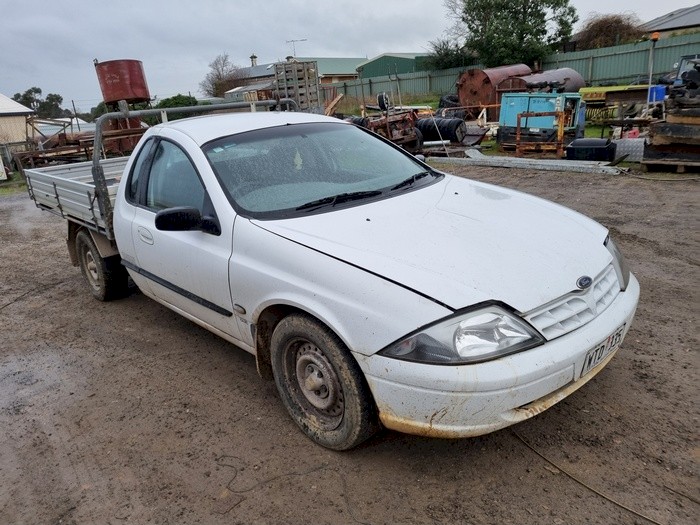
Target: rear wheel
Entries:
(320, 384)
(106, 277)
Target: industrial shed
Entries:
(12, 120)
(678, 22)
(393, 64)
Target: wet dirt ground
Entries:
(125, 412)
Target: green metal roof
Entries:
(392, 63)
(410, 56)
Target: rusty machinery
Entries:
(483, 89)
(396, 125)
(674, 142)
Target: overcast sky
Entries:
(51, 44)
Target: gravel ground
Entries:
(125, 412)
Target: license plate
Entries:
(595, 355)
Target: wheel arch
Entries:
(265, 325)
(104, 246)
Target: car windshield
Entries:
(307, 168)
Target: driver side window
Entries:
(173, 180)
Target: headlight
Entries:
(621, 268)
(479, 335)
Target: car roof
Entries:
(205, 128)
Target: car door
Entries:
(188, 270)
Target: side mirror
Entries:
(179, 218)
(210, 224)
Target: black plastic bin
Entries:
(591, 149)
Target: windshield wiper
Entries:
(337, 199)
(412, 179)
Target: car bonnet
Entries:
(460, 243)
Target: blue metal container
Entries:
(513, 104)
(540, 128)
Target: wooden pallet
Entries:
(675, 165)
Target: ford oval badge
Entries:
(584, 282)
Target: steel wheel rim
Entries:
(91, 271)
(315, 385)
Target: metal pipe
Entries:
(654, 38)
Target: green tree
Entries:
(178, 101)
(504, 32)
(223, 75)
(98, 110)
(50, 107)
(446, 54)
(30, 98)
(608, 30)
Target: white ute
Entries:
(374, 289)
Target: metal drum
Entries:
(122, 80)
(477, 87)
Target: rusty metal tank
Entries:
(563, 79)
(122, 80)
(477, 87)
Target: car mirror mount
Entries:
(210, 224)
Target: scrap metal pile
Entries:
(481, 94)
(675, 141)
(121, 81)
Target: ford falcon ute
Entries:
(375, 290)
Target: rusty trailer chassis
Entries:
(397, 126)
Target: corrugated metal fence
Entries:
(421, 82)
(620, 64)
(627, 63)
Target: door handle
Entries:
(145, 235)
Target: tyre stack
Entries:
(449, 107)
(452, 129)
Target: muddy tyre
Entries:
(321, 385)
(106, 277)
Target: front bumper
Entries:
(470, 400)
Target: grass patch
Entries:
(14, 184)
(12, 188)
(490, 147)
(593, 131)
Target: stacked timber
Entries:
(675, 141)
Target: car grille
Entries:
(576, 308)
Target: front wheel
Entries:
(106, 277)
(320, 384)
